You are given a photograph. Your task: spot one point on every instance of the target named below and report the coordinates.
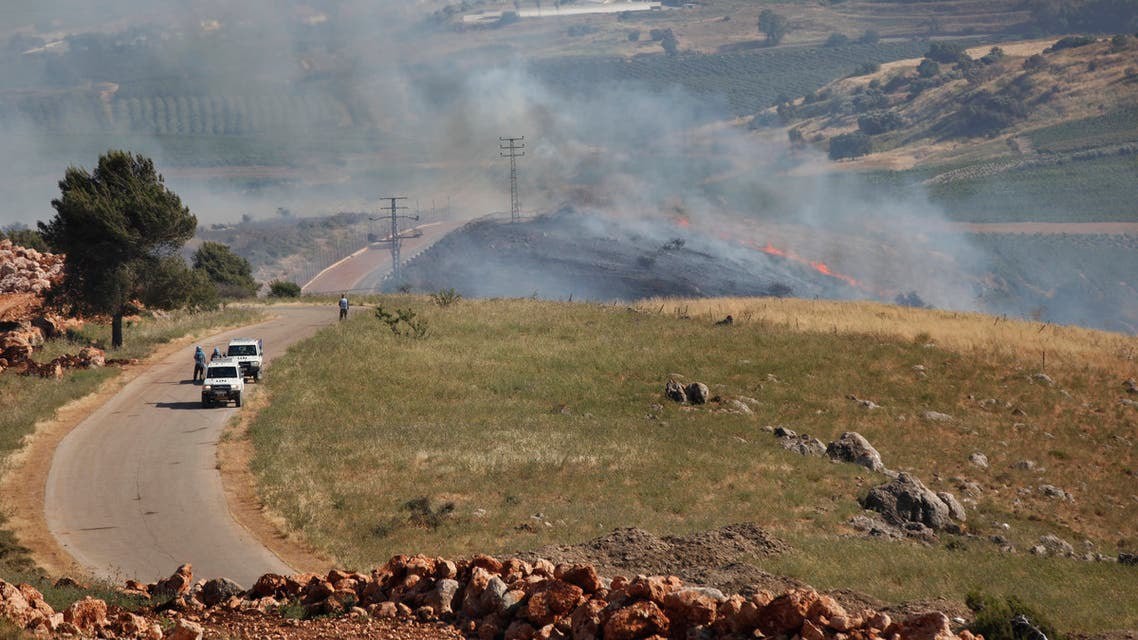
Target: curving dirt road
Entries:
(134, 490)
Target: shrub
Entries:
(994, 618)
(869, 37)
(985, 113)
(994, 55)
(876, 122)
(446, 297)
(1070, 42)
(837, 40)
(1119, 42)
(946, 52)
(284, 289)
(866, 68)
(849, 145)
(870, 100)
(1035, 63)
(928, 68)
(634, 35)
(403, 322)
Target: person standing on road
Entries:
(199, 363)
(343, 306)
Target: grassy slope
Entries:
(1070, 159)
(515, 408)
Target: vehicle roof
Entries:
(224, 362)
(243, 341)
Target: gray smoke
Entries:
(649, 158)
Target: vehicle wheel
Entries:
(237, 400)
(205, 403)
(257, 377)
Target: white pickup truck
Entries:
(223, 382)
(249, 354)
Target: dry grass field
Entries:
(511, 424)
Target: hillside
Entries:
(1048, 121)
(505, 425)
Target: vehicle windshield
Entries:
(242, 350)
(222, 372)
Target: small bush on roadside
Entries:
(284, 289)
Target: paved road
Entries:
(365, 270)
(134, 490)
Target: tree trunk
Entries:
(116, 330)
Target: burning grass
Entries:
(520, 423)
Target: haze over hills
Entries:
(260, 117)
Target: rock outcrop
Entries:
(905, 500)
(24, 270)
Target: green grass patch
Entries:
(1115, 127)
(1076, 595)
(519, 423)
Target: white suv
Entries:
(248, 353)
(223, 382)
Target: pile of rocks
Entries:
(24, 270)
(24, 606)
(489, 599)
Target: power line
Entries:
(395, 238)
(513, 150)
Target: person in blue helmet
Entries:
(199, 363)
(216, 354)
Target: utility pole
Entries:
(395, 239)
(512, 148)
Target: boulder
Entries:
(905, 499)
(675, 391)
(927, 626)
(587, 620)
(654, 588)
(88, 614)
(688, 608)
(270, 585)
(936, 416)
(804, 445)
(1056, 546)
(441, 598)
(177, 584)
(218, 590)
(978, 460)
(955, 509)
(697, 393)
(639, 620)
(786, 613)
(582, 575)
(853, 447)
(185, 630)
(551, 601)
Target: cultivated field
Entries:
(510, 424)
